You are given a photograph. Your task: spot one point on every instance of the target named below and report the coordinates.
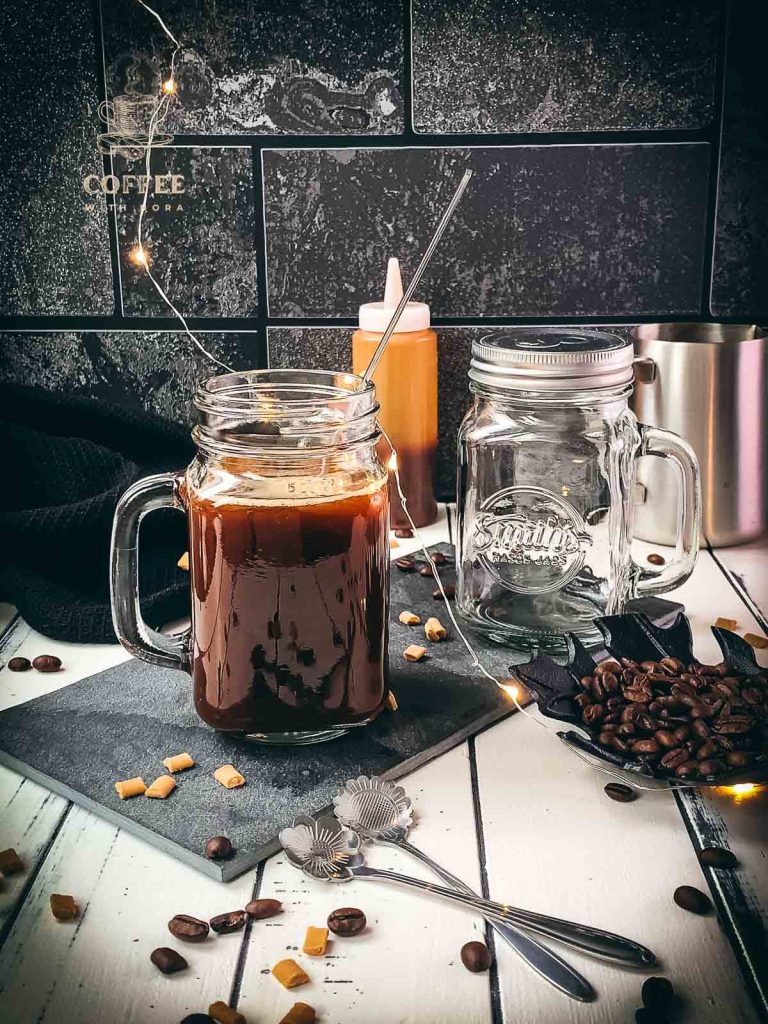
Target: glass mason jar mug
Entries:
(288, 517)
(547, 458)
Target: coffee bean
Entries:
(674, 758)
(46, 663)
(605, 738)
(592, 713)
(404, 532)
(665, 738)
(637, 695)
(620, 745)
(439, 558)
(717, 857)
(706, 750)
(645, 747)
(657, 993)
(737, 759)
(189, 929)
(406, 564)
(218, 848)
(682, 733)
(672, 665)
(701, 729)
(712, 767)
(689, 770)
(655, 559)
(225, 924)
(581, 700)
(168, 960)
(476, 956)
(426, 570)
(346, 921)
(692, 899)
(618, 791)
(608, 666)
(261, 909)
(450, 592)
(19, 664)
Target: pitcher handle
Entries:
(663, 444)
(153, 492)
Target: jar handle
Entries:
(665, 445)
(153, 492)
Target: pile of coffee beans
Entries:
(692, 721)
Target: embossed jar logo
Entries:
(530, 540)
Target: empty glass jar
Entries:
(547, 462)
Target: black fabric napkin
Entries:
(65, 463)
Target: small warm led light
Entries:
(512, 691)
(138, 256)
(169, 86)
(741, 788)
(392, 464)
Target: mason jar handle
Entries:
(153, 492)
(665, 445)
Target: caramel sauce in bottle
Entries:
(406, 387)
(289, 610)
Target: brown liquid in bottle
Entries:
(289, 611)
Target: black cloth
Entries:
(65, 463)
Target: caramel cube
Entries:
(756, 641)
(289, 974)
(131, 787)
(161, 788)
(414, 653)
(178, 762)
(183, 562)
(392, 701)
(63, 908)
(409, 618)
(722, 623)
(315, 941)
(229, 777)
(435, 630)
(10, 863)
(300, 1013)
(224, 1014)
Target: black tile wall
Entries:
(54, 240)
(156, 371)
(319, 348)
(575, 65)
(254, 66)
(740, 280)
(201, 241)
(542, 231)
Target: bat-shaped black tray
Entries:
(634, 636)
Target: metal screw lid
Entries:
(551, 359)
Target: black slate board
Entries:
(123, 722)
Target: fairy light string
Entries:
(140, 255)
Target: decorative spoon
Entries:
(381, 812)
(322, 848)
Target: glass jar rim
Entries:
(286, 409)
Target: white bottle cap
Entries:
(375, 316)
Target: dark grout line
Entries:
(260, 241)
(497, 1013)
(406, 83)
(31, 877)
(242, 955)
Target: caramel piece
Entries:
(183, 562)
(63, 908)
(289, 974)
(393, 544)
(409, 619)
(161, 788)
(315, 941)
(225, 1014)
(392, 701)
(756, 641)
(435, 630)
(228, 776)
(131, 787)
(300, 1013)
(414, 652)
(10, 862)
(178, 762)
(722, 623)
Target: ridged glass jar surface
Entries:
(547, 461)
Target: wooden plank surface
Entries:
(551, 839)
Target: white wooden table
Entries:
(512, 812)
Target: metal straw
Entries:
(371, 369)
